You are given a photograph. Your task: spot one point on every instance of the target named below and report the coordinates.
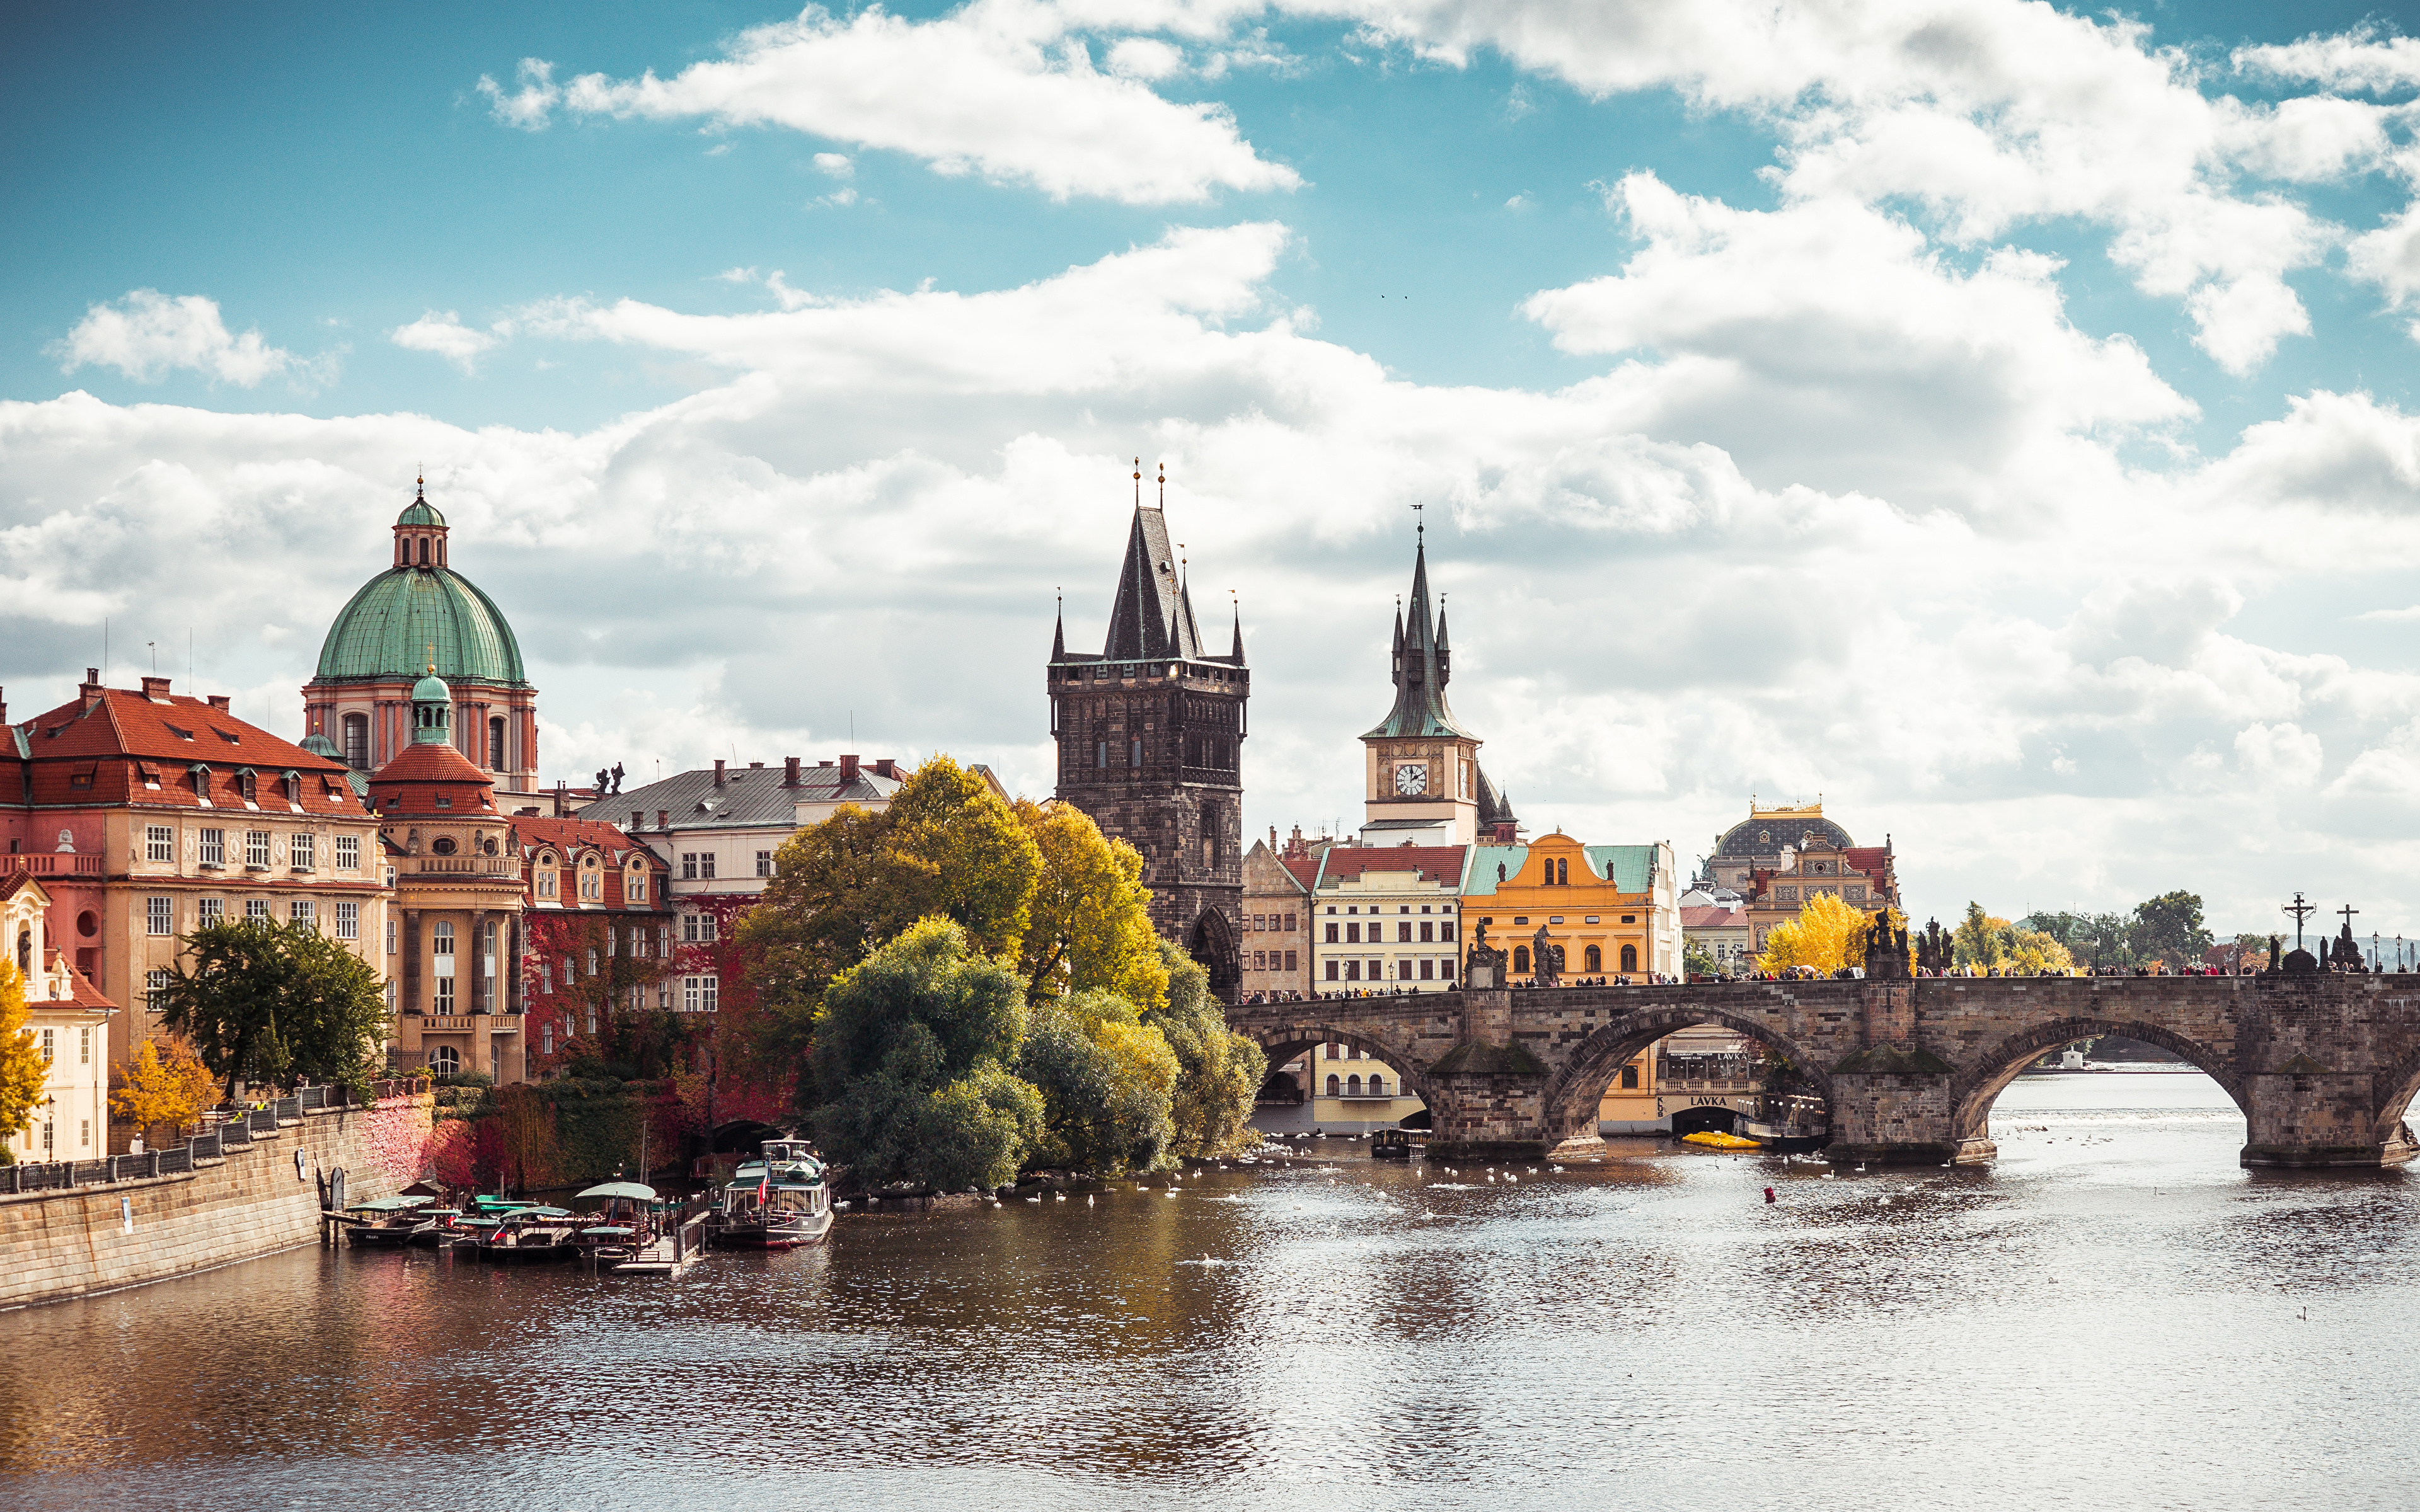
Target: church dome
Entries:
(1766, 831)
(417, 612)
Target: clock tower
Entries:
(1423, 785)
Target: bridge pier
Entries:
(1898, 1108)
(2316, 1120)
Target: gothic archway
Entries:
(1212, 941)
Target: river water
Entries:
(2112, 1315)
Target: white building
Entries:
(69, 1020)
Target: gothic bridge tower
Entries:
(1151, 746)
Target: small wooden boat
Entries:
(387, 1222)
(777, 1201)
(1790, 1124)
(531, 1234)
(439, 1227)
(623, 1229)
(1399, 1144)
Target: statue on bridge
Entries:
(1933, 952)
(1545, 959)
(1885, 949)
(1483, 967)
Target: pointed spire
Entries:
(1236, 656)
(1059, 631)
(1421, 661)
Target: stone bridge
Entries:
(2321, 1064)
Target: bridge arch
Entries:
(1573, 1095)
(1980, 1084)
(1283, 1044)
(2395, 1091)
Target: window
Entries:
(348, 921)
(208, 911)
(256, 847)
(1402, 934)
(49, 1045)
(1630, 958)
(1377, 1086)
(213, 846)
(1134, 754)
(1352, 971)
(634, 890)
(1331, 933)
(688, 866)
(697, 929)
(1630, 1078)
(155, 988)
(1428, 933)
(1445, 968)
(698, 993)
(1101, 753)
(570, 973)
(159, 916)
(706, 864)
(545, 879)
(592, 882)
(390, 936)
(84, 1125)
(159, 843)
(1595, 958)
(495, 745)
(592, 960)
(443, 801)
(1331, 970)
(763, 863)
(1335, 1086)
(1520, 958)
(1289, 922)
(357, 742)
(443, 845)
(1260, 961)
(302, 852)
(445, 1061)
(1352, 934)
(255, 910)
(300, 911)
(545, 976)
(1289, 961)
(348, 853)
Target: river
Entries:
(2114, 1314)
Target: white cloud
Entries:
(148, 335)
(837, 164)
(444, 333)
(2391, 616)
(2359, 59)
(997, 87)
(1145, 57)
(530, 107)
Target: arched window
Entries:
(1630, 958)
(357, 742)
(445, 1061)
(1334, 1086)
(424, 550)
(1595, 959)
(496, 743)
(1352, 1086)
(1563, 873)
(26, 954)
(1520, 958)
(1377, 1086)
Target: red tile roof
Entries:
(1435, 863)
(572, 835)
(123, 748)
(1713, 917)
(1304, 869)
(1870, 860)
(84, 994)
(421, 772)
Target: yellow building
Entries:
(1351, 1093)
(69, 1021)
(1613, 909)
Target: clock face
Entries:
(1411, 780)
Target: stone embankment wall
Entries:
(59, 1244)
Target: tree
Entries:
(1827, 934)
(1698, 961)
(1089, 924)
(2034, 952)
(2169, 928)
(911, 1051)
(22, 1071)
(1218, 1072)
(1107, 1084)
(165, 1083)
(1979, 940)
(277, 1003)
(946, 847)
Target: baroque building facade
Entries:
(1150, 736)
(418, 614)
(1781, 858)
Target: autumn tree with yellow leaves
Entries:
(163, 1086)
(1826, 935)
(22, 1070)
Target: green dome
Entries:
(431, 690)
(406, 617)
(420, 512)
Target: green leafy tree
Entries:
(277, 1003)
(22, 1068)
(1218, 1072)
(911, 1054)
(1979, 940)
(1107, 1084)
(1698, 961)
(1089, 923)
(2168, 928)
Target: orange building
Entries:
(1614, 909)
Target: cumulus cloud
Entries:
(2363, 58)
(1003, 88)
(148, 335)
(444, 333)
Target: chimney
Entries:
(562, 797)
(663, 819)
(755, 766)
(848, 770)
(887, 767)
(91, 689)
(718, 771)
(156, 689)
(219, 702)
(789, 771)
(4, 707)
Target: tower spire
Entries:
(1059, 630)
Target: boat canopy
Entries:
(619, 1189)
(390, 1204)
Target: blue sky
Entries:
(1995, 418)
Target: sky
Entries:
(1996, 419)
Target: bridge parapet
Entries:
(2323, 1066)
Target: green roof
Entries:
(406, 617)
(420, 512)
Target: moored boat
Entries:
(438, 1228)
(777, 1201)
(530, 1234)
(1790, 1124)
(387, 1222)
(623, 1229)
